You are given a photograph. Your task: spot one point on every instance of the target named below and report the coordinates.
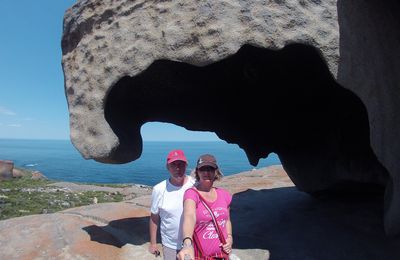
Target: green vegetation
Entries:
(112, 185)
(25, 196)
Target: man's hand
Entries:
(153, 249)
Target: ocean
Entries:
(59, 160)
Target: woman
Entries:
(199, 231)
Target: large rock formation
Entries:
(318, 75)
(369, 66)
(6, 169)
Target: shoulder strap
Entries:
(217, 227)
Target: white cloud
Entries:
(6, 111)
(14, 125)
(28, 119)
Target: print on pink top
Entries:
(204, 227)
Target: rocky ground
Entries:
(271, 220)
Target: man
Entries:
(167, 206)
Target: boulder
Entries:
(17, 173)
(6, 169)
(106, 44)
(36, 175)
(319, 75)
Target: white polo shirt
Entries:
(167, 201)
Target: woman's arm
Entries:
(189, 221)
(229, 239)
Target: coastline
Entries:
(30, 192)
(59, 160)
(267, 177)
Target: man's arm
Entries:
(153, 227)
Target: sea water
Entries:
(59, 160)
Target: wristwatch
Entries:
(185, 244)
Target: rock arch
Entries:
(331, 81)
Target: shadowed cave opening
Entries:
(265, 101)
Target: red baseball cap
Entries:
(176, 155)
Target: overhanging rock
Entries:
(227, 66)
(104, 42)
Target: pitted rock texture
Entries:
(104, 41)
(205, 65)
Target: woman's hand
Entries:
(228, 246)
(187, 253)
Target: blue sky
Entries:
(32, 100)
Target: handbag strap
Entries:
(198, 250)
(217, 227)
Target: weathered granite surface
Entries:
(271, 218)
(369, 66)
(104, 41)
(329, 68)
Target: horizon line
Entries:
(59, 139)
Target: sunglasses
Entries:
(207, 169)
